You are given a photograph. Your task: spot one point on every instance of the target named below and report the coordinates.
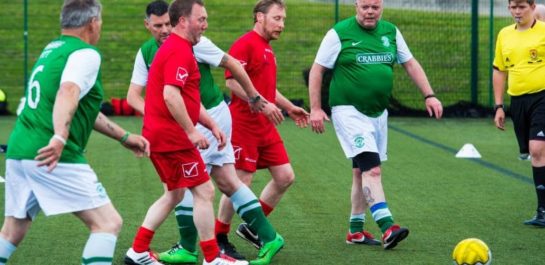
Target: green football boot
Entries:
(178, 255)
(267, 252)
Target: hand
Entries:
(49, 155)
(258, 105)
(434, 107)
(198, 139)
(138, 145)
(317, 118)
(220, 137)
(273, 113)
(499, 119)
(300, 116)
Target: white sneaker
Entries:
(225, 260)
(143, 258)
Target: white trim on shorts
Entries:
(358, 133)
(68, 188)
(211, 156)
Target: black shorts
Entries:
(528, 115)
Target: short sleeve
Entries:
(82, 69)
(329, 50)
(207, 52)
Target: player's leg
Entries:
(157, 213)
(537, 151)
(246, 157)
(20, 208)
(245, 203)
(185, 251)
(225, 216)
(12, 233)
(104, 224)
(356, 233)
(203, 213)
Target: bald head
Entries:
(539, 12)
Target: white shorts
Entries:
(211, 156)
(68, 188)
(358, 133)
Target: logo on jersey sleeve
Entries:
(181, 74)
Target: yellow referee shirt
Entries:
(522, 55)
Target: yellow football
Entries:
(471, 251)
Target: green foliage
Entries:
(440, 198)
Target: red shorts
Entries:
(180, 169)
(250, 158)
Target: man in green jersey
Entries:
(361, 51)
(158, 24)
(518, 62)
(45, 166)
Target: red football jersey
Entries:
(174, 64)
(257, 56)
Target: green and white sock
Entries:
(186, 226)
(382, 215)
(356, 222)
(99, 249)
(6, 249)
(248, 208)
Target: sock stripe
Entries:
(96, 260)
(183, 208)
(248, 207)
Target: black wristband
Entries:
(254, 99)
(498, 106)
(429, 96)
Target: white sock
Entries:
(6, 249)
(99, 249)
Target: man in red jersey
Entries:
(256, 141)
(172, 109)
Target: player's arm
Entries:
(417, 74)
(138, 83)
(66, 103)
(135, 98)
(256, 101)
(317, 114)
(498, 83)
(273, 113)
(138, 144)
(176, 106)
(327, 54)
(298, 114)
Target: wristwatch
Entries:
(498, 106)
(255, 99)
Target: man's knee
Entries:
(367, 162)
(283, 175)
(204, 191)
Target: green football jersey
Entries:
(211, 94)
(363, 72)
(148, 49)
(34, 126)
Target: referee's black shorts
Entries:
(528, 115)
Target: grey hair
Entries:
(77, 13)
